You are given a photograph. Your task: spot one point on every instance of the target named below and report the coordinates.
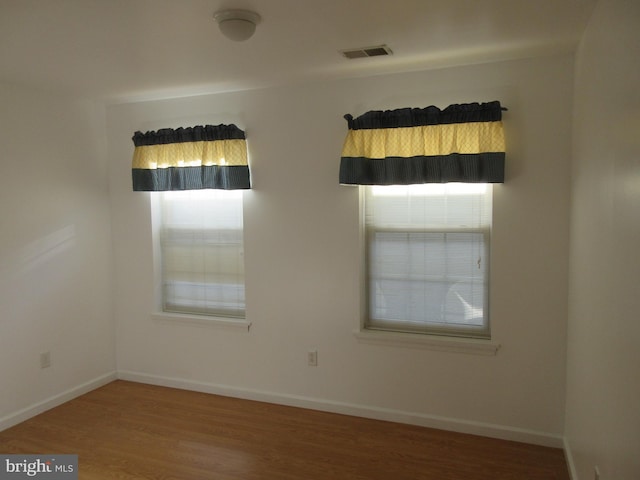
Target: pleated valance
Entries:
(192, 158)
(462, 143)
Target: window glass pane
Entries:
(202, 252)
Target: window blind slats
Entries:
(427, 258)
(201, 242)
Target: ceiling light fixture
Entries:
(237, 25)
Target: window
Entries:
(427, 258)
(201, 250)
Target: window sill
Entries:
(430, 342)
(202, 320)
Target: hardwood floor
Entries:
(127, 430)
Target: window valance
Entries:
(462, 143)
(192, 158)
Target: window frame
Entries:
(466, 338)
(159, 313)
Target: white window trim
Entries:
(476, 346)
(201, 320)
(427, 341)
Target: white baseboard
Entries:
(392, 415)
(568, 455)
(51, 402)
(399, 416)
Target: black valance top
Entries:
(207, 133)
(413, 117)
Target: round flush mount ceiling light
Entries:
(237, 25)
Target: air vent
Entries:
(367, 52)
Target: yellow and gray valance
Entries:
(462, 143)
(192, 158)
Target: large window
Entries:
(427, 249)
(201, 250)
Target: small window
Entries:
(427, 258)
(202, 253)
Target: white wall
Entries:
(55, 246)
(302, 252)
(603, 379)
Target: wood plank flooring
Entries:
(128, 430)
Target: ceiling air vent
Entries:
(367, 52)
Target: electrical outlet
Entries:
(312, 358)
(45, 360)
(596, 473)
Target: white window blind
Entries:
(427, 258)
(202, 254)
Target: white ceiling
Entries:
(123, 50)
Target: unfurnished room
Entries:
(320, 239)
